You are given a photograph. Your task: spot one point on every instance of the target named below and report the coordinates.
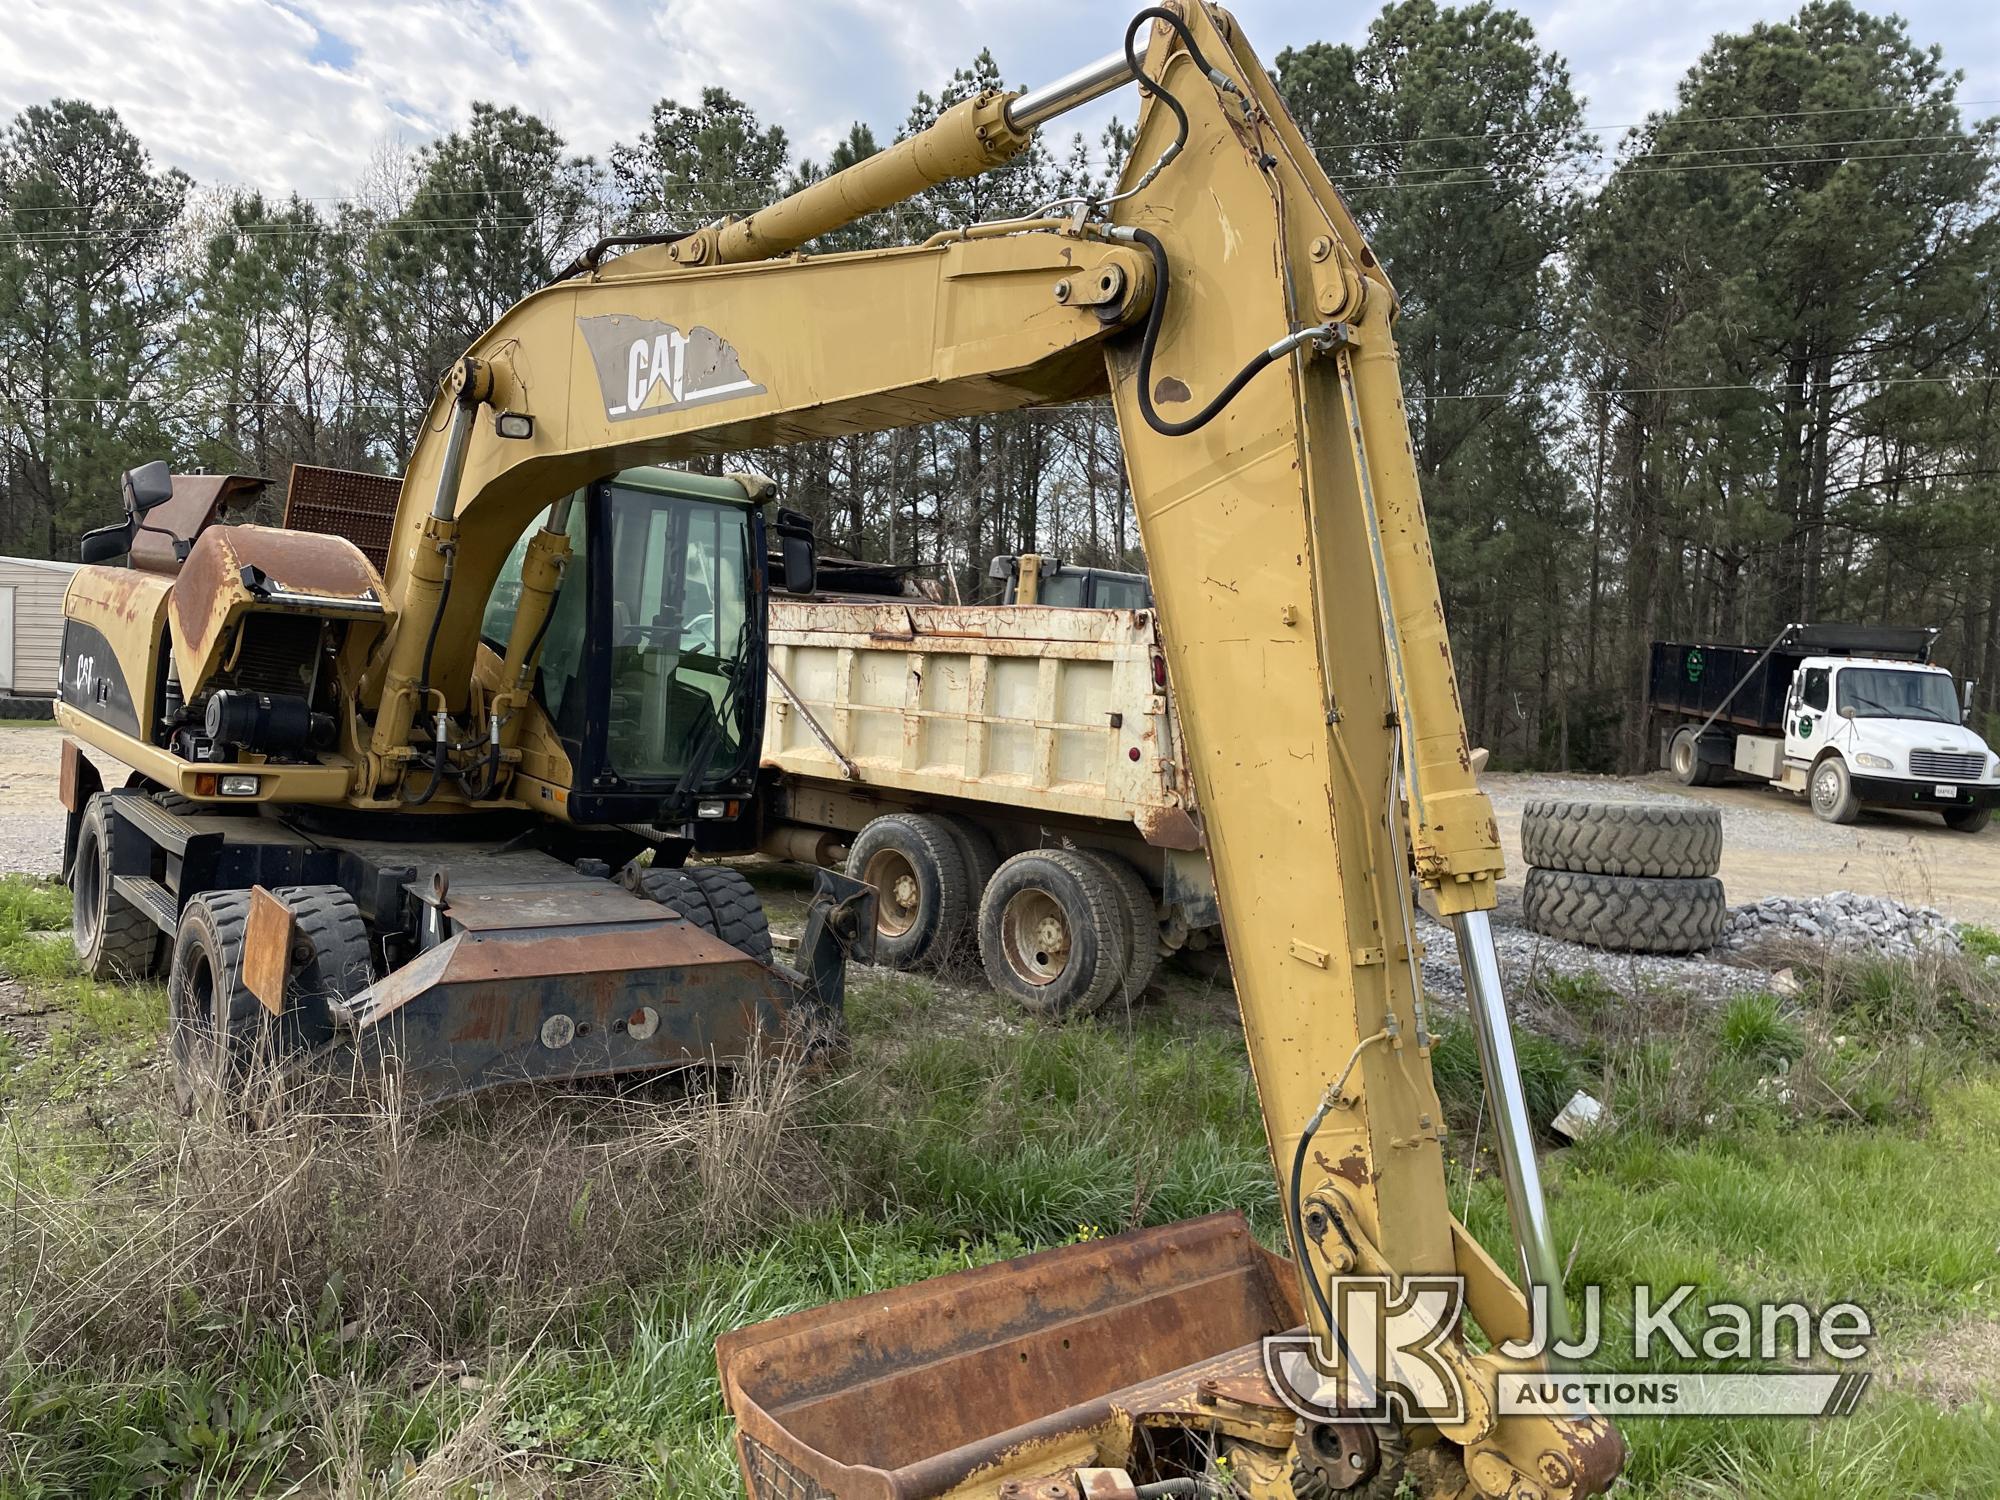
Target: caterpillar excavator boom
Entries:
(1225, 304)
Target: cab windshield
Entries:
(677, 626)
(1886, 693)
(680, 576)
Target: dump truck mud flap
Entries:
(1072, 1353)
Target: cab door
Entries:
(1809, 721)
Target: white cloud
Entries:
(299, 94)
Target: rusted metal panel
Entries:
(198, 502)
(868, 1397)
(211, 596)
(69, 784)
(267, 949)
(343, 503)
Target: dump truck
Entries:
(1225, 305)
(922, 744)
(1845, 716)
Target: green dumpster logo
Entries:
(1696, 664)
(1805, 726)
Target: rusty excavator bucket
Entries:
(946, 1386)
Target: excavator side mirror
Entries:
(106, 543)
(797, 549)
(147, 486)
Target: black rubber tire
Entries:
(1142, 923)
(923, 905)
(1076, 891)
(342, 964)
(1684, 760)
(1830, 791)
(1677, 840)
(717, 900)
(1969, 820)
(219, 1033)
(1626, 914)
(981, 856)
(115, 939)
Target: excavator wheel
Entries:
(115, 940)
(1053, 932)
(340, 965)
(220, 1032)
(716, 899)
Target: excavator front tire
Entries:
(716, 899)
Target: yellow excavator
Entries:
(1224, 303)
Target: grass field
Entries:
(519, 1296)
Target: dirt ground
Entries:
(1772, 845)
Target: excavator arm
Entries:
(1225, 303)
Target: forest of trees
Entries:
(1697, 375)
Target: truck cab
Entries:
(1877, 732)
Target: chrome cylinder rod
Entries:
(1092, 81)
(1513, 1131)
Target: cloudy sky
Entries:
(299, 94)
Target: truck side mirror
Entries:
(1965, 705)
(798, 551)
(147, 486)
(1847, 710)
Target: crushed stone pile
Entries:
(1843, 921)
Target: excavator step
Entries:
(154, 899)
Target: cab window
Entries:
(1814, 694)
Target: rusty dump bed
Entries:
(1011, 1369)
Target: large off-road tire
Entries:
(115, 939)
(1831, 792)
(1684, 760)
(1053, 934)
(220, 1034)
(1969, 819)
(340, 964)
(716, 899)
(1625, 913)
(923, 895)
(1622, 838)
(1142, 924)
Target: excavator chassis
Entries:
(503, 964)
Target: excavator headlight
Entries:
(514, 424)
(714, 807)
(239, 786)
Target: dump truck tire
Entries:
(719, 901)
(115, 939)
(1053, 932)
(923, 896)
(1684, 760)
(1622, 838)
(341, 964)
(981, 857)
(1142, 923)
(1969, 820)
(1623, 913)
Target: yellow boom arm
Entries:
(1288, 548)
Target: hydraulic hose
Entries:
(1149, 340)
(424, 677)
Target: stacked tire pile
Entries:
(1633, 877)
(1061, 931)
